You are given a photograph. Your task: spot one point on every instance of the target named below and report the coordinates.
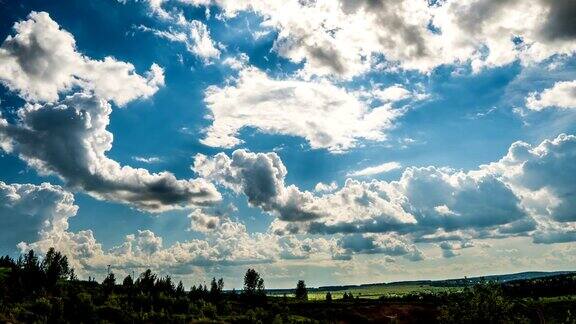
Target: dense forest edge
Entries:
(36, 289)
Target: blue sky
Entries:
(230, 113)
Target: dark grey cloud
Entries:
(387, 244)
(453, 201)
(69, 139)
(560, 20)
(554, 236)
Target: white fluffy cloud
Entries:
(261, 177)
(228, 243)
(561, 95)
(40, 61)
(528, 192)
(542, 176)
(325, 187)
(346, 38)
(325, 115)
(423, 200)
(69, 139)
(27, 211)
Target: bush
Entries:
(484, 303)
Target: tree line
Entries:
(35, 289)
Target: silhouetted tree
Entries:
(55, 267)
(109, 283)
(221, 284)
(180, 292)
(165, 285)
(128, 282)
(146, 281)
(31, 274)
(73, 276)
(193, 293)
(216, 288)
(253, 283)
(328, 297)
(7, 262)
(301, 292)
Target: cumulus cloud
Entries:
(227, 244)
(527, 192)
(28, 210)
(374, 170)
(561, 95)
(69, 139)
(424, 200)
(202, 222)
(452, 200)
(510, 30)
(41, 60)
(393, 93)
(347, 38)
(325, 187)
(259, 176)
(542, 175)
(325, 115)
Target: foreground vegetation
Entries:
(47, 291)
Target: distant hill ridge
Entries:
(527, 275)
(456, 282)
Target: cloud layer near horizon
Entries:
(453, 217)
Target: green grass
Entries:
(375, 292)
(4, 273)
(556, 299)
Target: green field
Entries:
(373, 292)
